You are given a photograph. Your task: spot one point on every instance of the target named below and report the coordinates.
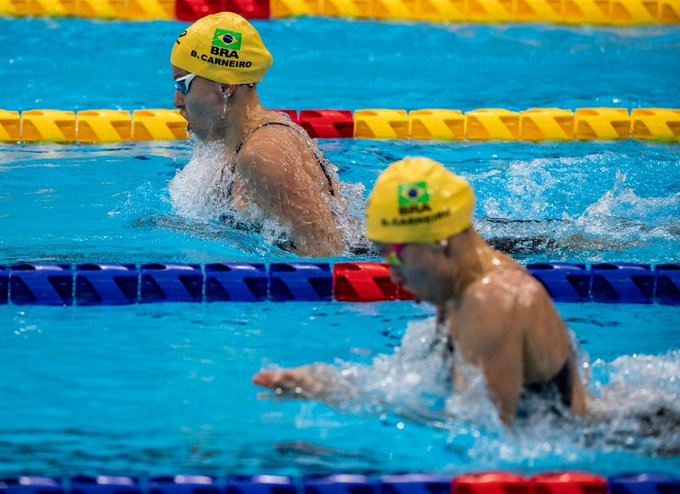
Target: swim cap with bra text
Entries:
(224, 48)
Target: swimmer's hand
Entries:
(321, 383)
(306, 382)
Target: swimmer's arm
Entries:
(488, 338)
(316, 382)
(321, 383)
(281, 189)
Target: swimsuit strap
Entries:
(320, 158)
(255, 129)
(442, 334)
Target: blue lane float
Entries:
(119, 284)
(106, 284)
(238, 282)
(564, 282)
(4, 285)
(300, 281)
(104, 485)
(668, 284)
(41, 284)
(341, 484)
(643, 483)
(415, 484)
(623, 283)
(31, 485)
(183, 484)
(261, 484)
(170, 283)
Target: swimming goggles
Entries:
(184, 83)
(392, 255)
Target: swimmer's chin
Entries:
(416, 299)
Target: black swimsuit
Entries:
(561, 385)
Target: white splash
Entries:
(623, 215)
(348, 210)
(619, 219)
(414, 383)
(199, 191)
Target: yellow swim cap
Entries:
(224, 48)
(418, 200)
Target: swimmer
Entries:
(217, 63)
(490, 311)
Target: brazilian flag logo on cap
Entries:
(224, 38)
(413, 193)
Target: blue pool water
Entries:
(576, 202)
(322, 63)
(163, 389)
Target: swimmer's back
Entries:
(277, 169)
(293, 139)
(548, 353)
(532, 325)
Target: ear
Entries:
(227, 89)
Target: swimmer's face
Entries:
(422, 269)
(202, 106)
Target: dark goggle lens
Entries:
(181, 86)
(184, 83)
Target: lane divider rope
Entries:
(606, 12)
(558, 482)
(485, 124)
(119, 284)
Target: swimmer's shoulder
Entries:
(483, 317)
(267, 162)
(260, 161)
(505, 269)
(508, 286)
(272, 139)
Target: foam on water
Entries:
(600, 211)
(197, 190)
(637, 401)
(625, 216)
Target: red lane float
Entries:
(365, 282)
(490, 483)
(192, 10)
(327, 124)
